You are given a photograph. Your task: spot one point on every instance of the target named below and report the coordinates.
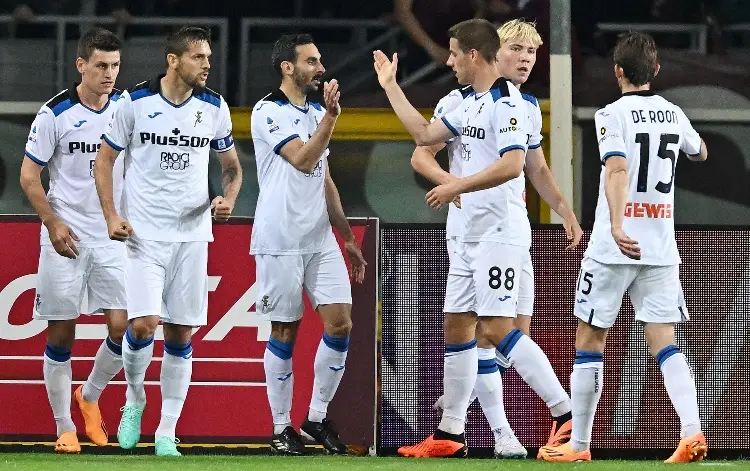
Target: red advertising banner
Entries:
(227, 397)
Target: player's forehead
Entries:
(454, 46)
(518, 43)
(108, 57)
(198, 48)
(306, 52)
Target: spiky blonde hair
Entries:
(519, 30)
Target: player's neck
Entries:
(296, 97)
(90, 99)
(627, 87)
(175, 90)
(484, 79)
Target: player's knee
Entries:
(116, 327)
(143, 328)
(590, 338)
(61, 334)
(339, 327)
(460, 328)
(659, 336)
(284, 331)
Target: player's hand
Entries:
(331, 96)
(119, 229)
(627, 246)
(63, 239)
(573, 232)
(221, 209)
(442, 195)
(457, 201)
(385, 69)
(357, 261)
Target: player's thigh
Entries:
(657, 295)
(106, 281)
(279, 281)
(525, 307)
(186, 291)
(60, 285)
(459, 286)
(496, 270)
(326, 278)
(599, 291)
(145, 276)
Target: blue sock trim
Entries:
(487, 367)
(58, 354)
(115, 348)
(666, 353)
(137, 344)
(583, 356)
(340, 344)
(455, 348)
(182, 350)
(281, 349)
(501, 368)
(510, 340)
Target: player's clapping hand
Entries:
(221, 209)
(119, 229)
(627, 246)
(442, 195)
(385, 69)
(63, 239)
(573, 232)
(357, 261)
(331, 96)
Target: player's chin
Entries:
(106, 88)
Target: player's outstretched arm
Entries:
(543, 180)
(424, 162)
(423, 132)
(231, 181)
(338, 220)
(616, 190)
(304, 156)
(118, 228)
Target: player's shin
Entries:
(586, 384)
(107, 363)
(459, 379)
(680, 386)
(277, 363)
(330, 363)
(136, 356)
(58, 379)
(489, 390)
(176, 370)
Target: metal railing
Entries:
(61, 22)
(698, 32)
(361, 47)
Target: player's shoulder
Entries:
(144, 89)
(207, 95)
(59, 103)
(504, 89)
(273, 104)
(530, 99)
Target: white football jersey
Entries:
(165, 195)
(291, 216)
(649, 132)
(490, 124)
(454, 225)
(65, 136)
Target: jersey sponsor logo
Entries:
(648, 210)
(176, 139)
(79, 123)
(91, 167)
(174, 160)
(513, 126)
(465, 152)
(83, 147)
(152, 116)
(317, 172)
(473, 131)
(198, 118)
(272, 126)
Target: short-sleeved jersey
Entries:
(491, 124)
(649, 132)
(65, 136)
(165, 195)
(535, 120)
(291, 216)
(454, 225)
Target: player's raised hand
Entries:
(385, 69)
(221, 209)
(63, 239)
(331, 96)
(119, 229)
(627, 246)
(442, 195)
(357, 261)
(573, 232)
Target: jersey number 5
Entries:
(644, 139)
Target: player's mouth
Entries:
(523, 69)
(316, 80)
(108, 84)
(204, 76)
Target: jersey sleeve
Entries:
(447, 104)
(452, 119)
(509, 120)
(691, 140)
(223, 140)
(535, 134)
(610, 135)
(272, 126)
(42, 140)
(120, 129)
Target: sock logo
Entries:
(596, 381)
(336, 368)
(285, 377)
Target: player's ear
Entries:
(287, 68)
(618, 71)
(80, 63)
(656, 70)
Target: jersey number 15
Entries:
(644, 139)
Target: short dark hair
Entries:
(97, 38)
(637, 55)
(179, 41)
(285, 49)
(477, 34)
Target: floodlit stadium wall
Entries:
(634, 411)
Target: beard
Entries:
(192, 80)
(304, 84)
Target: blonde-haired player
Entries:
(519, 41)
